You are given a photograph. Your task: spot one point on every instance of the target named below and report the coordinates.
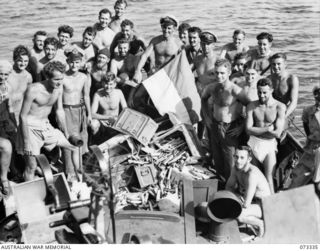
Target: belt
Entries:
(73, 106)
(227, 124)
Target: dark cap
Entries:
(208, 37)
(74, 55)
(104, 51)
(169, 20)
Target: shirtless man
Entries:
(250, 84)
(238, 68)
(38, 42)
(97, 69)
(231, 49)
(76, 106)
(89, 48)
(37, 132)
(104, 35)
(225, 123)
(183, 33)
(109, 100)
(119, 9)
(204, 63)
(65, 33)
(285, 84)
(19, 79)
(194, 48)
(164, 47)
(260, 57)
(247, 181)
(128, 33)
(50, 49)
(123, 66)
(264, 123)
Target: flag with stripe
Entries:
(173, 90)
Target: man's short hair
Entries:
(195, 29)
(104, 11)
(265, 35)
(109, 76)
(245, 148)
(265, 82)
(51, 41)
(53, 66)
(223, 62)
(126, 22)
(279, 55)
(123, 41)
(90, 31)
(239, 31)
(240, 55)
(19, 51)
(135, 46)
(66, 29)
(184, 27)
(39, 33)
(118, 2)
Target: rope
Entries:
(290, 119)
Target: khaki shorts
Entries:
(44, 135)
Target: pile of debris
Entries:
(147, 175)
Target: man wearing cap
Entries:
(224, 121)
(308, 166)
(104, 35)
(204, 63)
(97, 68)
(164, 47)
(76, 105)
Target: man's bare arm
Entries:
(250, 191)
(123, 101)
(250, 128)
(61, 116)
(29, 96)
(86, 96)
(280, 121)
(241, 95)
(137, 75)
(293, 95)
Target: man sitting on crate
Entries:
(105, 109)
(309, 162)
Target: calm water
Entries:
(294, 25)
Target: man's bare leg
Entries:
(5, 159)
(31, 166)
(252, 215)
(74, 154)
(269, 165)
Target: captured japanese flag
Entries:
(173, 90)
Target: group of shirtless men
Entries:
(247, 96)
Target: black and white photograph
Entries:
(159, 122)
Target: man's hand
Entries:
(27, 150)
(137, 77)
(89, 119)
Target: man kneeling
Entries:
(248, 181)
(108, 101)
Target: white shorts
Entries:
(262, 147)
